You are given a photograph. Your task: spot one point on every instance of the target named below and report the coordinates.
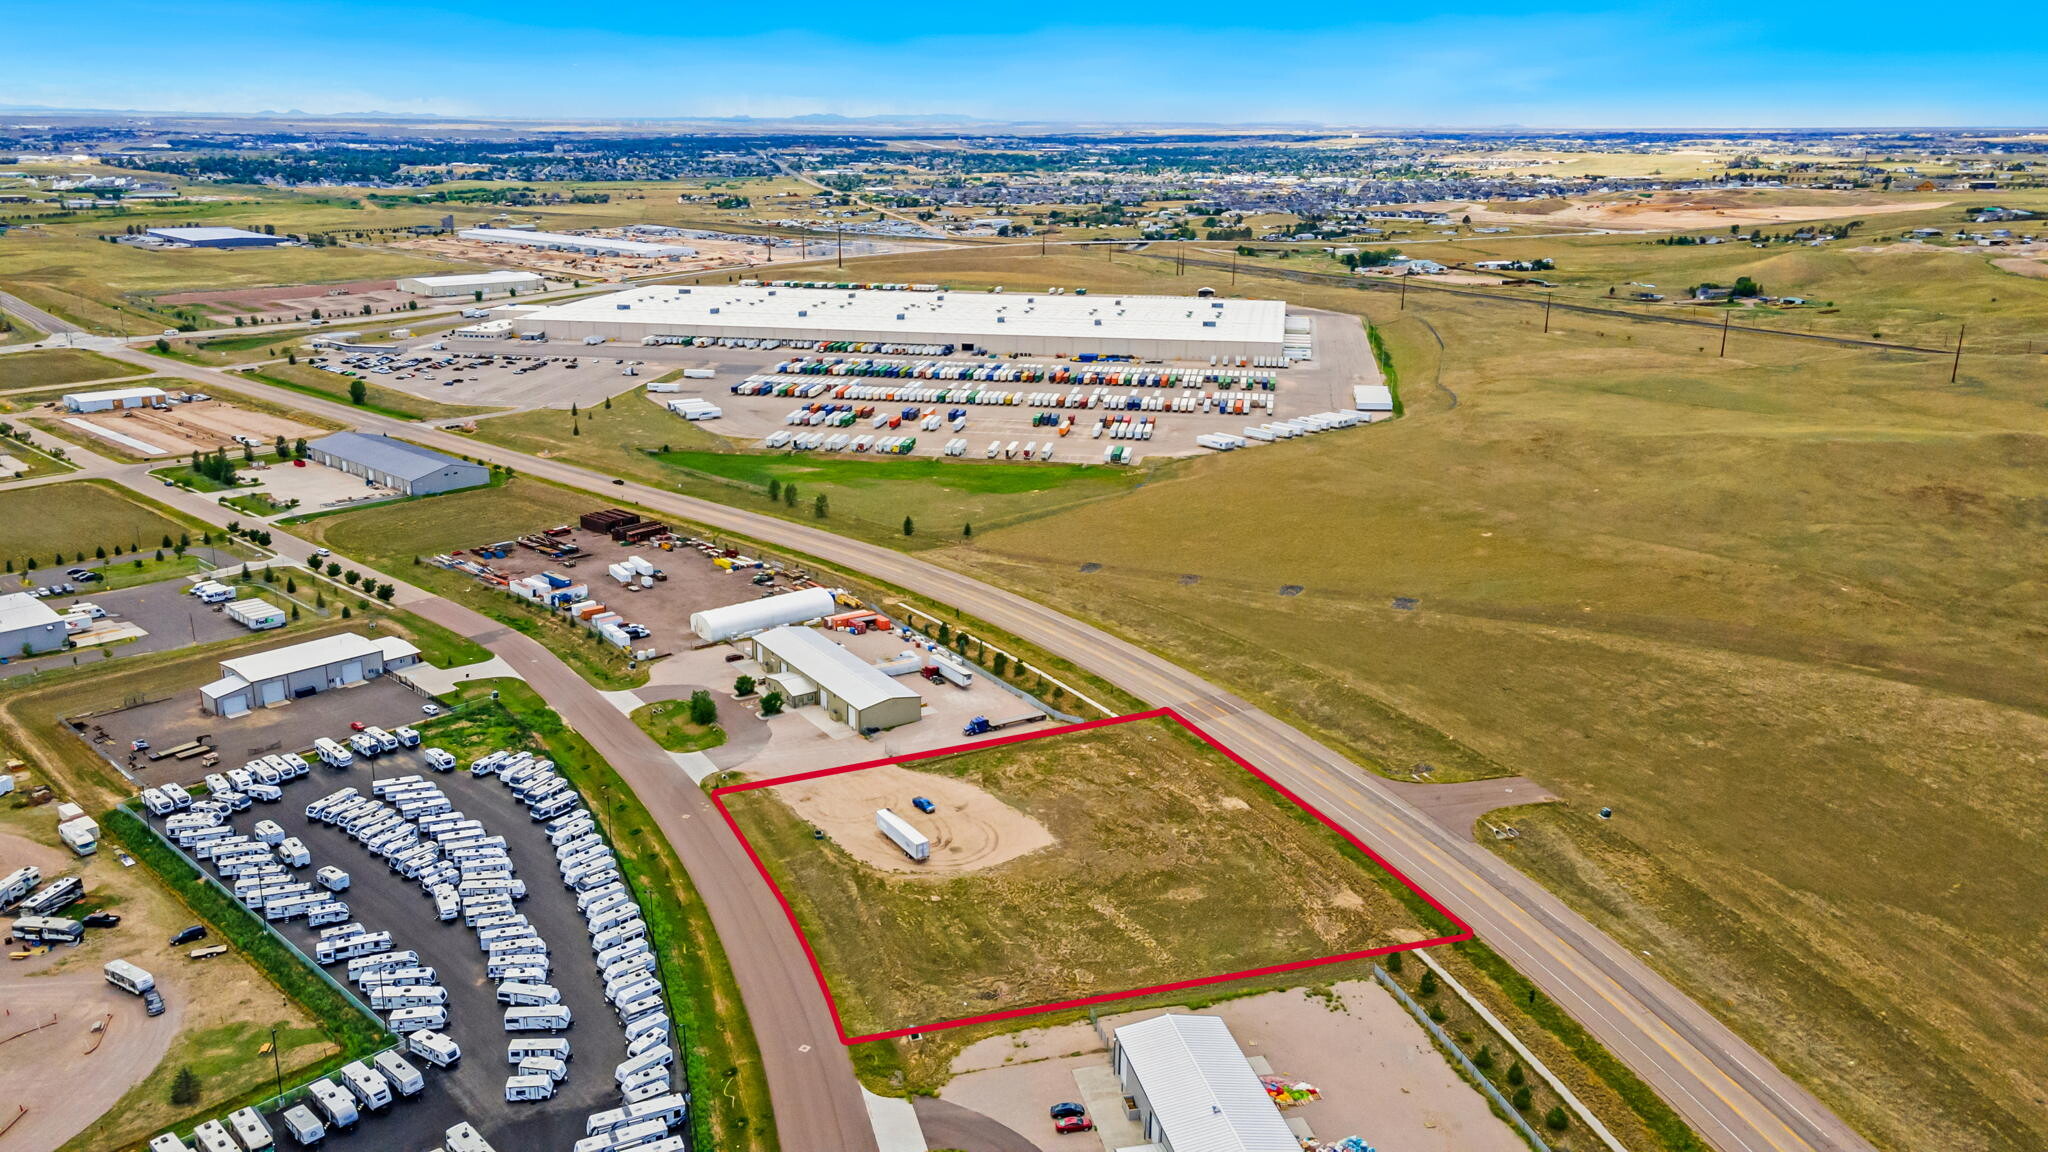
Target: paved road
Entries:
(1731, 1094)
(950, 1125)
(21, 309)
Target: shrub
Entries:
(771, 704)
(1517, 1077)
(703, 710)
(1520, 1099)
(744, 686)
(1556, 1120)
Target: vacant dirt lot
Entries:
(970, 831)
(282, 300)
(1170, 863)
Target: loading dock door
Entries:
(272, 692)
(352, 672)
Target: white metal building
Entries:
(1194, 1089)
(588, 245)
(735, 620)
(112, 398)
(299, 670)
(849, 689)
(396, 464)
(469, 284)
(1147, 327)
(216, 237)
(28, 626)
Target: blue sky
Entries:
(1532, 63)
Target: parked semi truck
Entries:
(982, 724)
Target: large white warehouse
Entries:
(588, 245)
(1147, 327)
(469, 284)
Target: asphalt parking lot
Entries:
(170, 615)
(287, 727)
(383, 901)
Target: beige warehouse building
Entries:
(1145, 327)
(808, 668)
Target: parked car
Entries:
(100, 920)
(430, 709)
(1068, 1124)
(1068, 1110)
(356, 725)
(86, 578)
(138, 745)
(923, 805)
(76, 573)
(195, 932)
(152, 1003)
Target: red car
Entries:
(355, 725)
(1066, 1124)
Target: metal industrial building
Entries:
(298, 670)
(1192, 1090)
(112, 398)
(395, 464)
(28, 626)
(1146, 327)
(811, 669)
(469, 284)
(588, 245)
(216, 237)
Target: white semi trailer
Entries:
(915, 844)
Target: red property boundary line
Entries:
(817, 970)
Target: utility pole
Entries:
(1546, 311)
(1233, 269)
(277, 1062)
(839, 260)
(1403, 282)
(1956, 365)
(1724, 332)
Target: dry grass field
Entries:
(1781, 610)
(1072, 865)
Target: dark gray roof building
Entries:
(395, 464)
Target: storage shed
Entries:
(736, 620)
(28, 626)
(1193, 1090)
(849, 689)
(299, 670)
(256, 615)
(395, 464)
(111, 399)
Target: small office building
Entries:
(395, 464)
(807, 667)
(112, 399)
(216, 237)
(28, 626)
(1192, 1090)
(299, 670)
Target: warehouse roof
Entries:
(113, 394)
(1203, 1092)
(479, 279)
(386, 455)
(300, 657)
(21, 610)
(563, 239)
(209, 233)
(963, 314)
(833, 668)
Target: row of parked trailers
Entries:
(769, 344)
(258, 869)
(624, 957)
(1224, 402)
(1280, 430)
(1228, 379)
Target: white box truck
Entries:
(914, 843)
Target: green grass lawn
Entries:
(15, 330)
(50, 366)
(384, 401)
(81, 516)
(867, 497)
(1166, 862)
(668, 721)
(22, 447)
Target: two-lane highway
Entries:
(1731, 1094)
